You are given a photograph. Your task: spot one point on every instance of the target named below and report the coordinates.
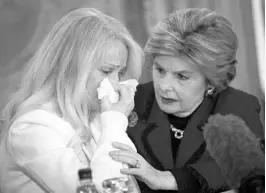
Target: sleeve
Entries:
(114, 125)
(186, 182)
(243, 105)
(252, 118)
(41, 153)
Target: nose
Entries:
(114, 79)
(166, 84)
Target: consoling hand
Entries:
(139, 167)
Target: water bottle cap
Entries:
(85, 174)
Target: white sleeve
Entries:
(41, 153)
(114, 125)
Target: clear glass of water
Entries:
(120, 185)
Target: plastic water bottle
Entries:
(86, 184)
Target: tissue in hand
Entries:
(106, 88)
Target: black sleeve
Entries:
(186, 181)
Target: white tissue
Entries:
(106, 88)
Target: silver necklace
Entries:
(178, 133)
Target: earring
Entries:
(209, 91)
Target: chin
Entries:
(168, 108)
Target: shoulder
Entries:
(36, 133)
(232, 98)
(241, 104)
(238, 95)
(43, 118)
(144, 90)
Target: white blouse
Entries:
(42, 152)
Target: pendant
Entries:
(178, 133)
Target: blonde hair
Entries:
(60, 70)
(203, 38)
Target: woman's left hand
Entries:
(138, 166)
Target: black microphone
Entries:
(237, 152)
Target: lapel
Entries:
(159, 137)
(193, 136)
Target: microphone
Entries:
(237, 152)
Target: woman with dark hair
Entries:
(192, 53)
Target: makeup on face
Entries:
(168, 101)
(179, 86)
(112, 63)
(115, 61)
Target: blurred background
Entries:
(24, 23)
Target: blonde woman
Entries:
(47, 136)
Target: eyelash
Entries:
(107, 72)
(122, 72)
(182, 77)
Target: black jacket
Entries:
(151, 136)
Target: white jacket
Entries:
(42, 152)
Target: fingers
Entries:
(131, 171)
(124, 86)
(126, 92)
(126, 99)
(122, 146)
(125, 103)
(125, 159)
(125, 156)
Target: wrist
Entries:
(167, 181)
(114, 119)
(114, 125)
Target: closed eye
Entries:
(107, 71)
(182, 76)
(122, 73)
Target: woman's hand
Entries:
(125, 103)
(141, 169)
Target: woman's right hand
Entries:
(125, 103)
